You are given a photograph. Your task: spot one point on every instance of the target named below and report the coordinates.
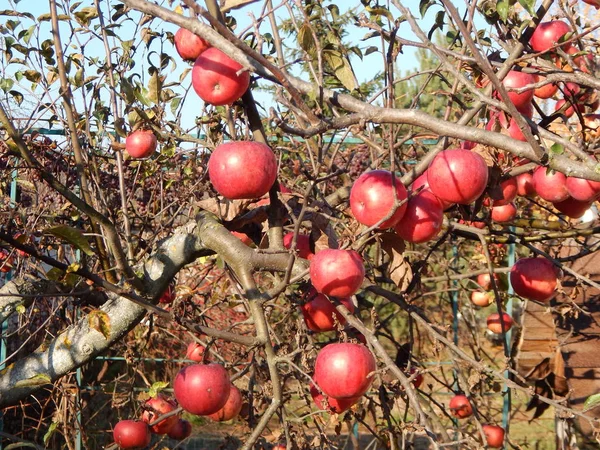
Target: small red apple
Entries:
(515, 80)
(572, 208)
(218, 79)
(141, 144)
(422, 181)
(417, 381)
(422, 220)
(547, 35)
(232, 407)
(583, 190)
(508, 190)
(6, 261)
(202, 389)
(320, 313)
(458, 176)
(131, 434)
(195, 352)
(168, 296)
(485, 281)
(342, 370)
(460, 406)
(331, 404)
(534, 278)
(547, 90)
(508, 124)
(480, 298)
(302, 244)
(189, 45)
(337, 273)
(550, 185)
(494, 435)
(180, 430)
(504, 213)
(243, 237)
(525, 186)
(242, 169)
(156, 407)
(570, 110)
(494, 325)
(372, 198)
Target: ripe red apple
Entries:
(547, 35)
(337, 273)
(547, 90)
(510, 125)
(494, 435)
(331, 404)
(6, 261)
(422, 181)
(550, 185)
(508, 189)
(156, 407)
(168, 296)
(195, 352)
(372, 198)
(480, 298)
(279, 447)
(417, 381)
(494, 325)
(342, 370)
(302, 244)
(460, 407)
(202, 389)
(458, 176)
(319, 312)
(504, 213)
(180, 430)
(570, 109)
(131, 434)
(485, 281)
(515, 80)
(534, 278)
(141, 144)
(525, 186)
(217, 79)
(242, 169)
(422, 219)
(232, 407)
(189, 45)
(572, 208)
(243, 237)
(582, 189)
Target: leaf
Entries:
(17, 96)
(593, 401)
(73, 236)
(100, 321)
(342, 68)
(224, 209)
(73, 267)
(175, 104)
(85, 15)
(32, 75)
(306, 40)
(155, 86)
(6, 84)
(557, 149)
(156, 387)
(400, 271)
(529, 6)
(234, 4)
(37, 380)
(53, 426)
(502, 8)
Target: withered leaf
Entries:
(399, 270)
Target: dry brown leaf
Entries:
(400, 271)
(224, 209)
(227, 5)
(322, 233)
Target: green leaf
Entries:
(306, 40)
(73, 236)
(175, 104)
(78, 78)
(502, 7)
(591, 402)
(157, 387)
(6, 84)
(37, 380)
(342, 68)
(100, 321)
(155, 86)
(557, 149)
(85, 15)
(529, 6)
(21, 309)
(53, 426)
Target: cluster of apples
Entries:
(460, 407)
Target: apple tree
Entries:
(263, 212)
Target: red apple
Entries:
(302, 244)
(422, 219)
(494, 435)
(525, 186)
(168, 296)
(372, 198)
(508, 189)
(189, 45)
(417, 381)
(510, 125)
(331, 404)
(570, 109)
(572, 208)
(515, 79)
(494, 325)
(195, 352)
(342, 370)
(279, 447)
(319, 312)
(422, 181)
(6, 261)
(485, 281)
(547, 35)
(180, 430)
(141, 144)
(583, 190)
(242, 169)
(594, 3)
(243, 237)
(546, 91)
(458, 176)
(480, 298)
(337, 273)
(460, 406)
(232, 407)
(504, 213)
(202, 389)
(550, 185)
(131, 434)
(156, 407)
(217, 79)
(534, 278)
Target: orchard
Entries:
(299, 224)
